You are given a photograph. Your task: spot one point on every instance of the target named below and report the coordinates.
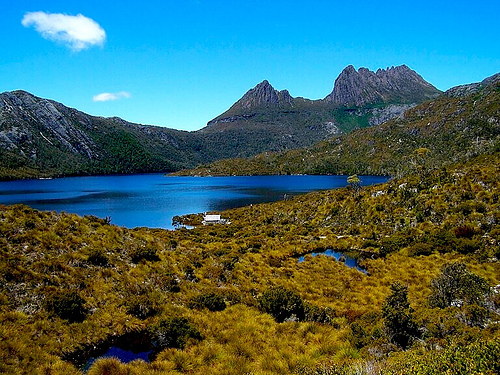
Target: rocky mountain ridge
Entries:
(40, 137)
(264, 95)
(356, 92)
(452, 128)
(395, 84)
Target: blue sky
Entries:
(181, 63)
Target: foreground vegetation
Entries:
(233, 299)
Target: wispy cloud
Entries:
(77, 32)
(107, 96)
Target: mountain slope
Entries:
(462, 123)
(42, 137)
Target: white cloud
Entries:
(77, 32)
(107, 96)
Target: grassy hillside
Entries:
(449, 129)
(234, 299)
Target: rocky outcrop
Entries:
(262, 97)
(472, 88)
(394, 85)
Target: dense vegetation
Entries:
(234, 299)
(451, 128)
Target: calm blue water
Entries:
(151, 200)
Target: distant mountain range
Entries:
(277, 121)
(40, 137)
(462, 123)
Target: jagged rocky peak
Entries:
(398, 84)
(264, 95)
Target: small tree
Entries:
(398, 317)
(456, 286)
(354, 182)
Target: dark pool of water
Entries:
(123, 355)
(127, 348)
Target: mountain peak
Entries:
(264, 95)
(395, 84)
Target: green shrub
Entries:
(210, 301)
(98, 257)
(420, 248)
(68, 305)
(144, 253)
(475, 316)
(398, 317)
(391, 244)
(456, 286)
(313, 313)
(175, 333)
(358, 336)
(142, 306)
(467, 246)
(282, 304)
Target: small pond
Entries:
(347, 260)
(127, 348)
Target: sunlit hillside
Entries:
(234, 299)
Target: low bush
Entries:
(420, 248)
(144, 253)
(313, 313)
(456, 286)
(168, 283)
(282, 304)
(391, 244)
(142, 306)
(210, 301)
(98, 257)
(175, 333)
(67, 305)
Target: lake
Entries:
(151, 200)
